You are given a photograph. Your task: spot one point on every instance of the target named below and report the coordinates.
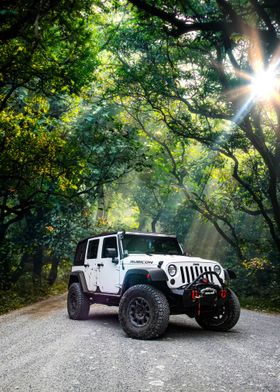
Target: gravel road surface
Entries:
(41, 349)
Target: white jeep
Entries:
(149, 277)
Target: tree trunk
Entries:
(53, 272)
(25, 258)
(37, 266)
(5, 269)
(155, 221)
(101, 207)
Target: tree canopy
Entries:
(157, 115)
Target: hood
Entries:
(155, 259)
(188, 267)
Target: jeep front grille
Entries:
(190, 272)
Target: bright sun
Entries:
(264, 84)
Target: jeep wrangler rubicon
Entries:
(149, 277)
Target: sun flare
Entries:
(260, 86)
(264, 84)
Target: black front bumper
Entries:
(204, 292)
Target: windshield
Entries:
(134, 243)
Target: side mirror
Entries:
(185, 253)
(111, 252)
(230, 274)
(125, 253)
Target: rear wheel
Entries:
(225, 318)
(144, 312)
(77, 302)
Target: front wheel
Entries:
(77, 302)
(144, 312)
(225, 318)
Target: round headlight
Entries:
(172, 270)
(217, 269)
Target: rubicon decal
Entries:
(141, 262)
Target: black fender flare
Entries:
(78, 276)
(145, 275)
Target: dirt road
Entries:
(43, 350)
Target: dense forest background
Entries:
(147, 115)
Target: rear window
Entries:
(92, 249)
(80, 253)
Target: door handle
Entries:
(100, 265)
(86, 265)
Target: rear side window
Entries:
(80, 253)
(109, 242)
(92, 249)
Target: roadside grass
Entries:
(26, 292)
(261, 304)
(12, 300)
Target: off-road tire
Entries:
(77, 303)
(229, 315)
(157, 313)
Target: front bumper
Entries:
(204, 292)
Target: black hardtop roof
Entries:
(147, 233)
(99, 235)
(104, 234)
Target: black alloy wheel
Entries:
(78, 302)
(144, 312)
(139, 312)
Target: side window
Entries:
(110, 242)
(80, 253)
(92, 249)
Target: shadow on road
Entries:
(177, 329)
(110, 318)
(181, 330)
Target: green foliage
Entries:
(25, 293)
(261, 304)
(57, 147)
(183, 85)
(112, 117)
(46, 47)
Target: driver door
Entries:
(108, 277)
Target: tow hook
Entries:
(195, 295)
(223, 294)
